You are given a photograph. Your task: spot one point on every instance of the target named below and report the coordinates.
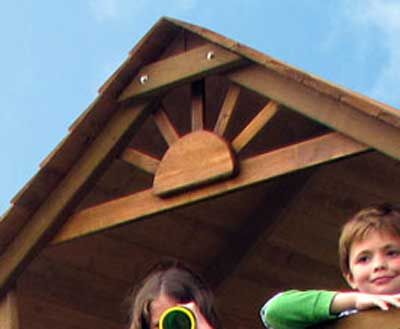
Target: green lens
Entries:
(177, 318)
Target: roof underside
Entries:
(305, 158)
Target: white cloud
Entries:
(104, 10)
(185, 5)
(384, 17)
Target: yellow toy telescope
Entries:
(178, 317)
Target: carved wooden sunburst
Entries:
(201, 156)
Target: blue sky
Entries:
(56, 54)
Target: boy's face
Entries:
(375, 264)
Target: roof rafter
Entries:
(140, 160)
(165, 126)
(227, 108)
(255, 125)
(198, 102)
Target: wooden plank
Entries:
(198, 101)
(189, 66)
(98, 250)
(165, 126)
(39, 313)
(75, 288)
(196, 159)
(253, 170)
(290, 267)
(9, 311)
(370, 319)
(187, 230)
(322, 108)
(255, 125)
(140, 160)
(227, 108)
(56, 207)
(11, 222)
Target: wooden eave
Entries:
(22, 225)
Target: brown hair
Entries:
(384, 217)
(176, 280)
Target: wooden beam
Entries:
(255, 125)
(9, 311)
(227, 108)
(188, 66)
(320, 107)
(253, 170)
(140, 160)
(53, 211)
(198, 101)
(165, 126)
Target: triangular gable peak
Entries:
(189, 116)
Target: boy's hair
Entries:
(384, 217)
(176, 280)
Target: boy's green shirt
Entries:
(296, 309)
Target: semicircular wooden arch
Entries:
(197, 158)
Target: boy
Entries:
(369, 254)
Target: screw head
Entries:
(210, 55)
(143, 79)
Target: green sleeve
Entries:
(296, 309)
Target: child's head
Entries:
(176, 283)
(369, 245)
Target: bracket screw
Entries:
(210, 55)
(143, 79)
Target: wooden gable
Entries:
(202, 149)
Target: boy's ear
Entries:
(350, 280)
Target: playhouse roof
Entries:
(200, 148)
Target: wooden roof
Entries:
(200, 148)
